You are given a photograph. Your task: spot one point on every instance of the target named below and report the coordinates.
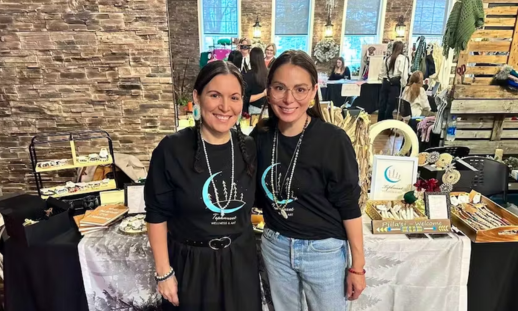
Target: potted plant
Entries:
(182, 96)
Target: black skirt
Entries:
(221, 280)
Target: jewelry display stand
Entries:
(105, 157)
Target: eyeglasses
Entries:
(269, 50)
(279, 92)
(245, 47)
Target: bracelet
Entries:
(164, 277)
(356, 272)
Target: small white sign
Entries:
(392, 177)
(351, 89)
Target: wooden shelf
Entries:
(111, 185)
(77, 165)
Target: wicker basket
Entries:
(375, 215)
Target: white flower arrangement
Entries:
(258, 44)
(326, 50)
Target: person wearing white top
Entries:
(244, 47)
(415, 94)
(394, 73)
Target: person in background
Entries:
(255, 81)
(244, 47)
(201, 236)
(309, 194)
(236, 58)
(394, 73)
(270, 52)
(415, 94)
(340, 71)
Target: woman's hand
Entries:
(355, 285)
(265, 92)
(168, 288)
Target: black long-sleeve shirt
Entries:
(345, 75)
(252, 88)
(325, 182)
(176, 193)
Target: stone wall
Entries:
(250, 10)
(185, 40)
(319, 21)
(395, 9)
(69, 65)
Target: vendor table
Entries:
(368, 100)
(414, 274)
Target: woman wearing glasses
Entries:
(308, 173)
(270, 52)
(244, 47)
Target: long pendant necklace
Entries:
(278, 187)
(233, 187)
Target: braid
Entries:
(197, 158)
(248, 161)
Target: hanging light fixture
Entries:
(257, 29)
(400, 27)
(328, 28)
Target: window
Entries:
(219, 20)
(362, 24)
(429, 20)
(292, 25)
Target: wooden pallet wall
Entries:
(486, 112)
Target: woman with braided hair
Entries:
(199, 193)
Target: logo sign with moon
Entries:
(391, 175)
(234, 201)
(269, 194)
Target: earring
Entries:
(196, 112)
(312, 103)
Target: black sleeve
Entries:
(347, 73)
(248, 92)
(343, 189)
(158, 190)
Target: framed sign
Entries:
(437, 205)
(392, 177)
(134, 198)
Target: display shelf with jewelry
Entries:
(452, 174)
(72, 188)
(46, 142)
(481, 219)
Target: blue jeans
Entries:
(315, 267)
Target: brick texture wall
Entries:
(396, 8)
(250, 10)
(319, 21)
(184, 38)
(68, 65)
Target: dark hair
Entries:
(206, 74)
(258, 66)
(302, 60)
(236, 58)
(397, 49)
(334, 66)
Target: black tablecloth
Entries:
(48, 277)
(493, 277)
(369, 98)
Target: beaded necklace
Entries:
(275, 177)
(233, 187)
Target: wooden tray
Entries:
(373, 213)
(491, 235)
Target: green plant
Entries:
(180, 91)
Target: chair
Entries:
(456, 152)
(491, 178)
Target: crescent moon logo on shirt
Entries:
(269, 194)
(227, 198)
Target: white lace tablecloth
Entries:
(414, 274)
(118, 271)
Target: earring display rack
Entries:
(104, 157)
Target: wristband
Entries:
(164, 277)
(356, 272)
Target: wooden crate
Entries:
(491, 235)
(486, 110)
